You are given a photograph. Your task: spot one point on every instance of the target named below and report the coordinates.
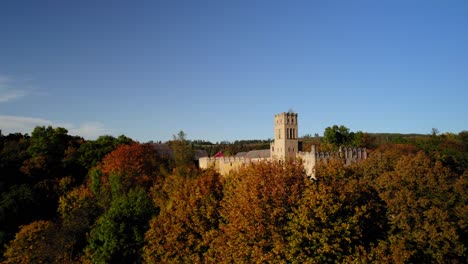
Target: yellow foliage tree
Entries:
(255, 211)
(32, 244)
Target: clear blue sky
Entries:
(220, 70)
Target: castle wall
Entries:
(308, 161)
(351, 155)
(224, 165)
(347, 154)
(285, 147)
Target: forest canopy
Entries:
(114, 200)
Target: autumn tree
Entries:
(56, 242)
(93, 151)
(135, 165)
(255, 212)
(363, 140)
(337, 215)
(188, 221)
(32, 244)
(424, 200)
(122, 181)
(383, 159)
(78, 211)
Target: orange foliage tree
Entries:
(136, 165)
(257, 202)
(32, 244)
(189, 218)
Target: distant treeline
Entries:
(334, 137)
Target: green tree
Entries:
(17, 207)
(53, 154)
(93, 151)
(183, 154)
(118, 236)
(337, 135)
(48, 141)
(13, 153)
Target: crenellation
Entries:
(285, 147)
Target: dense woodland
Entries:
(114, 200)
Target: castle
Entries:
(285, 147)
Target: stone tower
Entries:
(286, 144)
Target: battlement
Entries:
(352, 154)
(225, 159)
(285, 147)
(348, 154)
(224, 165)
